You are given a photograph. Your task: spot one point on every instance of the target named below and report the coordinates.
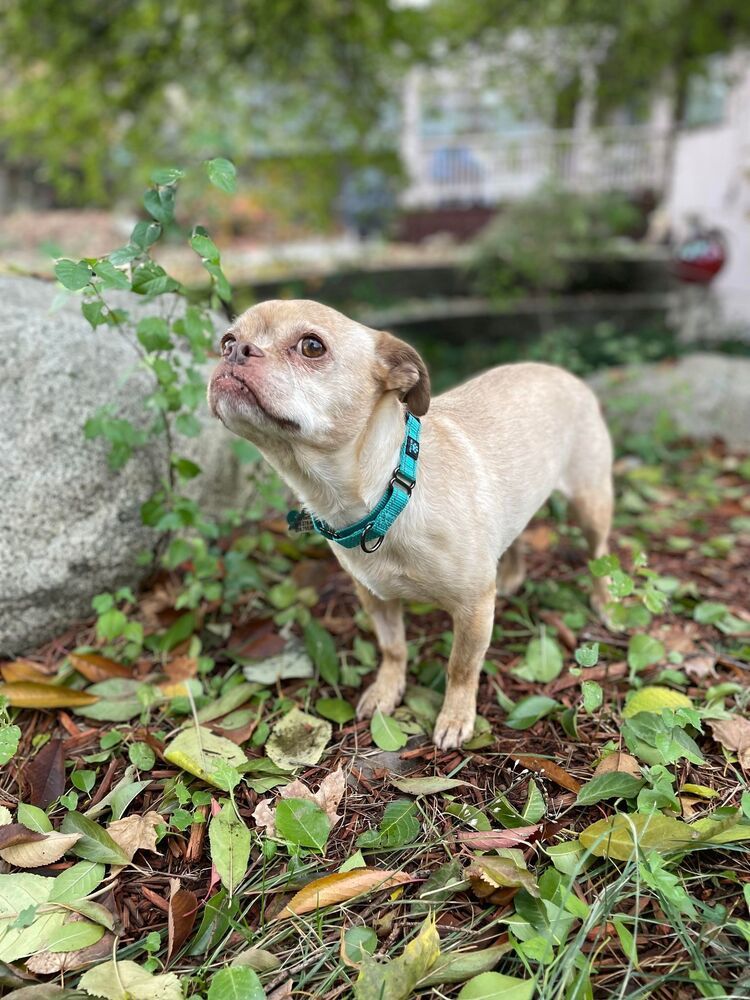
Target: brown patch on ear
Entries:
(402, 369)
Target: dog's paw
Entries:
(379, 695)
(452, 729)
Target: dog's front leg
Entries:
(472, 631)
(386, 692)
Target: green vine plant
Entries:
(173, 346)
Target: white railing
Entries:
(487, 169)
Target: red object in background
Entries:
(700, 257)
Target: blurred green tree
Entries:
(95, 95)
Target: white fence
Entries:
(485, 169)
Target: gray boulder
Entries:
(705, 395)
(69, 526)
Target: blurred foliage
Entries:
(95, 96)
(640, 46)
(580, 349)
(535, 244)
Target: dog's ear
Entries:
(400, 367)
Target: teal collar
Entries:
(370, 530)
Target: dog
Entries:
(326, 401)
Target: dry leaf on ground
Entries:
(328, 796)
(136, 833)
(38, 851)
(549, 769)
(339, 888)
(622, 762)
(734, 734)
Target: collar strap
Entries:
(370, 530)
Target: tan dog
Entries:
(323, 399)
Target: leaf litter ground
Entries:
(474, 838)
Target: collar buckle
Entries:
(400, 478)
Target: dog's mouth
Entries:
(232, 387)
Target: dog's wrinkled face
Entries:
(298, 371)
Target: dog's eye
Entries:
(226, 344)
(311, 347)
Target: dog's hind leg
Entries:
(511, 571)
(387, 690)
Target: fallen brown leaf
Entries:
(97, 668)
(339, 888)
(38, 851)
(44, 777)
(45, 963)
(488, 841)
(551, 770)
(136, 833)
(181, 668)
(618, 761)
(183, 907)
(27, 694)
(328, 796)
(25, 670)
(734, 734)
(700, 667)
(16, 833)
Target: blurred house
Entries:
(477, 133)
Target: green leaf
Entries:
(302, 823)
(10, 737)
(71, 275)
(457, 967)
(229, 839)
(198, 751)
(643, 650)
(543, 661)
(588, 654)
(335, 709)
(205, 246)
(495, 986)
(153, 334)
(322, 651)
(593, 696)
(34, 818)
(386, 732)
(95, 843)
(74, 935)
(614, 785)
(77, 882)
(126, 980)
(604, 565)
(118, 700)
(110, 276)
(159, 203)
(399, 826)
(397, 978)
(222, 174)
(618, 836)
(145, 234)
(167, 175)
(142, 756)
(529, 710)
(427, 785)
(358, 942)
(236, 983)
(654, 699)
(298, 739)
(22, 893)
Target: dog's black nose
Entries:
(238, 351)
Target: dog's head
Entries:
(301, 372)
